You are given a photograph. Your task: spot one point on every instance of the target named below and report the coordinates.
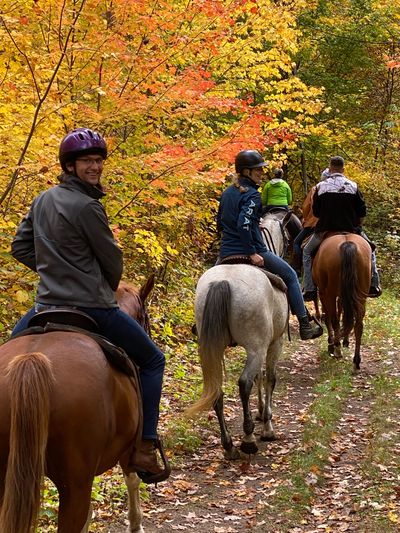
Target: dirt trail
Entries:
(207, 494)
(213, 495)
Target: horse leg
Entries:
(246, 381)
(135, 514)
(358, 331)
(337, 337)
(74, 509)
(231, 452)
(274, 351)
(332, 325)
(327, 311)
(316, 309)
(260, 394)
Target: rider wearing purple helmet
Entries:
(80, 142)
(66, 239)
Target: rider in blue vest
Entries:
(66, 239)
(239, 218)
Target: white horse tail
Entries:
(214, 337)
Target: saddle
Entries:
(275, 280)
(75, 321)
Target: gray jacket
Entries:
(66, 239)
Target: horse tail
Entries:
(349, 293)
(29, 380)
(214, 337)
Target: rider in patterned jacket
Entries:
(239, 218)
(339, 206)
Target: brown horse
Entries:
(342, 273)
(66, 413)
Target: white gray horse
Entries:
(274, 232)
(238, 304)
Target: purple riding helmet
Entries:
(80, 142)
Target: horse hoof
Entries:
(249, 448)
(233, 454)
(331, 349)
(268, 438)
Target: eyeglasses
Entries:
(88, 161)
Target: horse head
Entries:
(132, 300)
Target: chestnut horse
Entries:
(66, 413)
(342, 272)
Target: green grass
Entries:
(306, 463)
(332, 390)
(381, 463)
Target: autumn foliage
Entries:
(178, 88)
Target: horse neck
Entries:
(273, 234)
(129, 300)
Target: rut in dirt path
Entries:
(348, 490)
(208, 494)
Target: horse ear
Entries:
(146, 289)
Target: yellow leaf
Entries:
(21, 296)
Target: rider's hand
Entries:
(257, 260)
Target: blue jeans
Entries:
(124, 331)
(308, 253)
(278, 266)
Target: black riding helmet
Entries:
(249, 159)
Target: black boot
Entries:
(374, 291)
(307, 330)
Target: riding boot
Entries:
(151, 464)
(375, 290)
(307, 330)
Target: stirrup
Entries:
(313, 318)
(148, 477)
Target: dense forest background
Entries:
(178, 87)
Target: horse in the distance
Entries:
(278, 239)
(285, 222)
(68, 414)
(238, 304)
(342, 272)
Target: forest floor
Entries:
(334, 467)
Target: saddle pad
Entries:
(275, 280)
(116, 356)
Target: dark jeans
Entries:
(124, 331)
(278, 266)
